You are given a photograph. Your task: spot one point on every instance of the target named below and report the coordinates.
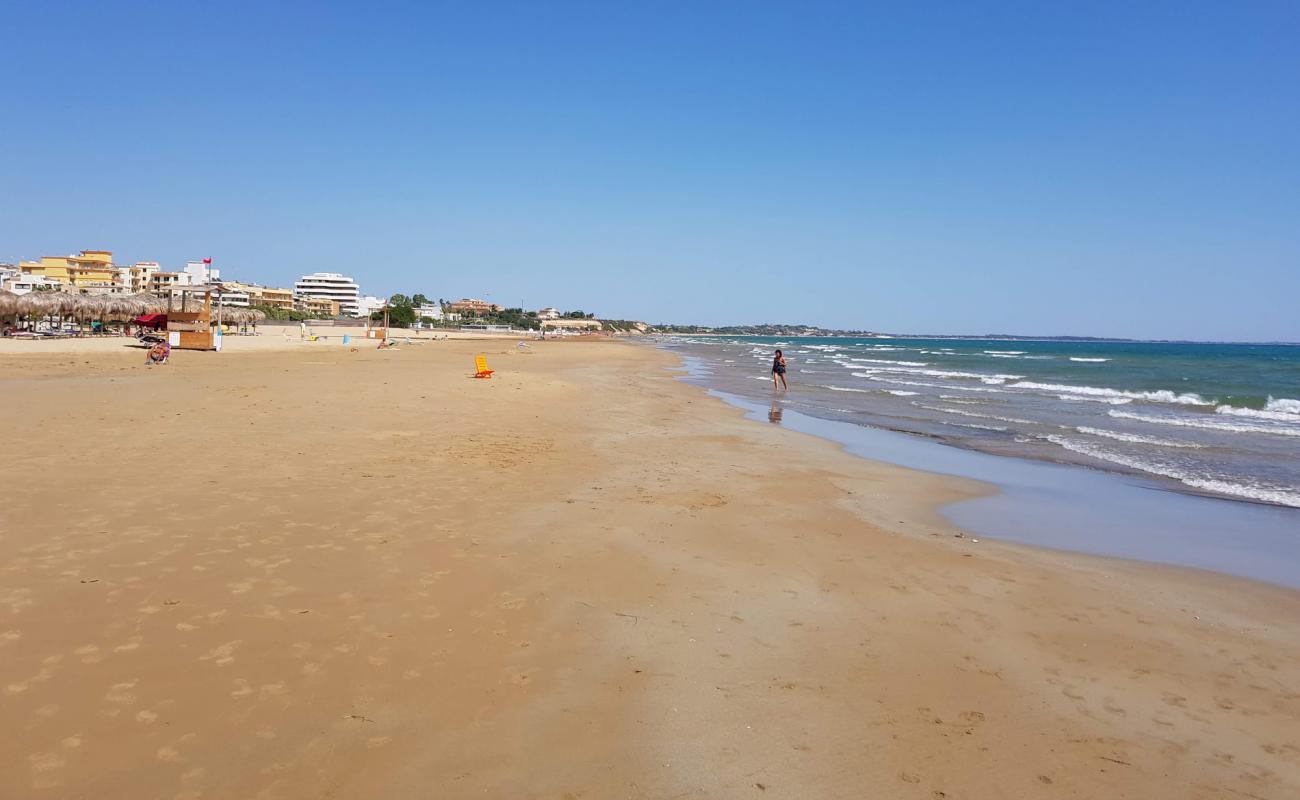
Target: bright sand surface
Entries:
(303, 571)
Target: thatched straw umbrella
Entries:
(149, 303)
(48, 304)
(8, 305)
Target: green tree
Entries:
(418, 300)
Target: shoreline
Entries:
(314, 570)
(1078, 487)
(1056, 432)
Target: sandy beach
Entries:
(302, 570)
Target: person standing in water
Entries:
(778, 370)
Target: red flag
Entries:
(207, 261)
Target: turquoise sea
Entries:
(1215, 419)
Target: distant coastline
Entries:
(809, 330)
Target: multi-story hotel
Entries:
(330, 286)
(470, 305)
(161, 283)
(273, 297)
(318, 306)
(136, 278)
(89, 271)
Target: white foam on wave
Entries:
(887, 361)
(1001, 355)
(1005, 352)
(1157, 396)
(1282, 409)
(983, 377)
(1136, 438)
(1088, 360)
(900, 382)
(1283, 404)
(847, 389)
(1209, 424)
(961, 412)
(901, 393)
(974, 425)
(1249, 491)
(1114, 401)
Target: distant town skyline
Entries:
(1102, 169)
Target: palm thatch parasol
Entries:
(149, 303)
(48, 304)
(8, 303)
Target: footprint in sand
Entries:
(42, 765)
(222, 654)
(121, 694)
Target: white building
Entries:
(433, 311)
(231, 298)
(138, 277)
(24, 282)
(369, 305)
(332, 286)
(202, 272)
(548, 313)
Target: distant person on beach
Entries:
(778, 370)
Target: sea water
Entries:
(1111, 510)
(1212, 419)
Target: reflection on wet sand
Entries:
(774, 413)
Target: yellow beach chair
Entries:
(480, 364)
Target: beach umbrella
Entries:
(150, 303)
(8, 302)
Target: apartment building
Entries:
(135, 278)
(471, 305)
(330, 286)
(319, 306)
(90, 271)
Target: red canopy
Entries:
(155, 321)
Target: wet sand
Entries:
(301, 571)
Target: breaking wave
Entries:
(1158, 396)
(1136, 438)
(1249, 491)
(1209, 424)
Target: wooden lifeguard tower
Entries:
(375, 332)
(194, 330)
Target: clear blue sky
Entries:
(1127, 168)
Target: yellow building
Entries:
(277, 298)
(91, 270)
(318, 306)
(268, 296)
